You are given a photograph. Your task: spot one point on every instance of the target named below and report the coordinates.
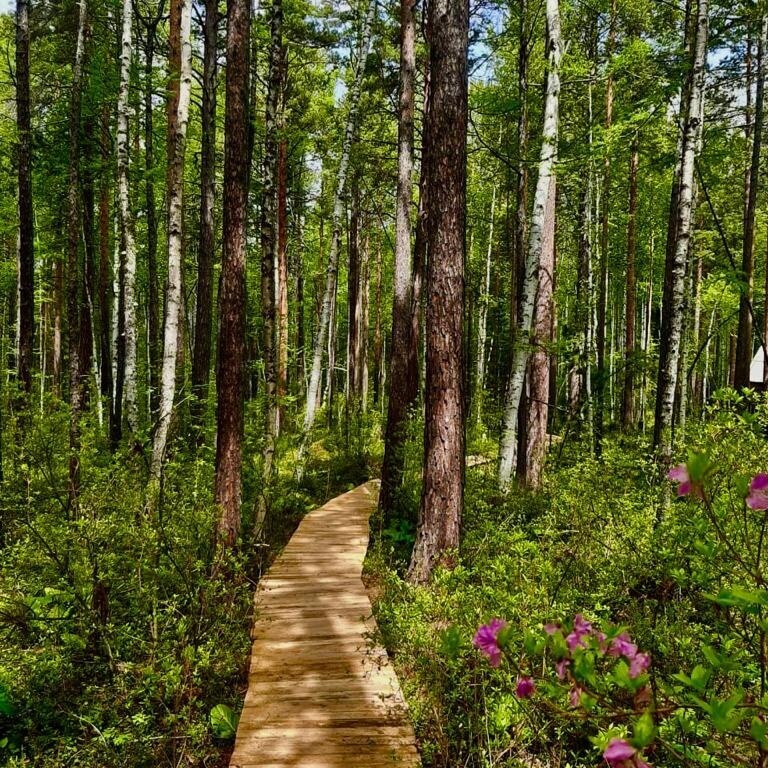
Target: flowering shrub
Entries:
(716, 715)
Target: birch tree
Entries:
(175, 245)
(331, 277)
(547, 159)
(128, 238)
(482, 321)
(674, 298)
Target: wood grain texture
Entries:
(321, 692)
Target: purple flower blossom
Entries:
(639, 664)
(562, 667)
(623, 646)
(581, 629)
(486, 640)
(551, 629)
(619, 753)
(525, 687)
(679, 474)
(758, 492)
(574, 696)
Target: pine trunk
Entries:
(230, 375)
(628, 398)
(446, 136)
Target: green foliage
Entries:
(223, 722)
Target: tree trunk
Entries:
(508, 458)
(602, 291)
(201, 356)
(269, 254)
(175, 245)
(105, 270)
(338, 215)
(354, 307)
(744, 338)
(539, 366)
(482, 323)
(675, 278)
(26, 277)
(128, 332)
(446, 135)
(230, 375)
(77, 377)
(628, 398)
(282, 260)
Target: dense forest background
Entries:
(508, 257)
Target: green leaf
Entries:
(698, 465)
(644, 731)
(223, 722)
(758, 730)
(6, 706)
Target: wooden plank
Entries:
(321, 693)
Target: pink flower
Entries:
(551, 629)
(679, 474)
(639, 664)
(619, 754)
(581, 628)
(574, 696)
(486, 640)
(623, 646)
(525, 687)
(561, 668)
(758, 492)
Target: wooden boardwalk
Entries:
(321, 694)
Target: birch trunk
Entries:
(321, 336)
(175, 248)
(127, 234)
(673, 317)
(482, 322)
(548, 157)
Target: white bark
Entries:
(175, 247)
(336, 223)
(685, 209)
(127, 223)
(547, 159)
(482, 321)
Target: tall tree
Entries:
(547, 159)
(482, 322)
(331, 277)
(399, 367)
(446, 133)
(77, 376)
(126, 378)
(674, 278)
(173, 297)
(26, 276)
(744, 337)
(201, 358)
(269, 251)
(628, 396)
(230, 372)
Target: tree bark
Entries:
(548, 157)
(128, 268)
(539, 372)
(446, 136)
(602, 291)
(338, 215)
(105, 270)
(676, 268)
(230, 375)
(201, 355)
(482, 322)
(26, 277)
(628, 397)
(744, 337)
(175, 244)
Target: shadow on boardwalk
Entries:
(321, 694)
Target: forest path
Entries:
(321, 693)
